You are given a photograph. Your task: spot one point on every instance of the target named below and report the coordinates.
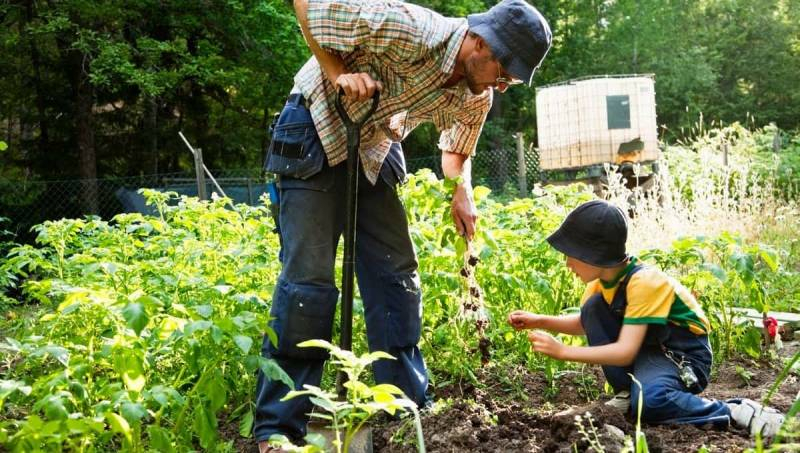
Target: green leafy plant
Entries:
(639, 442)
(348, 417)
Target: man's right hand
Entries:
(523, 320)
(358, 86)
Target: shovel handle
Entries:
(348, 122)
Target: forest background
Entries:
(99, 88)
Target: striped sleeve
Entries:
(462, 136)
(380, 27)
(650, 295)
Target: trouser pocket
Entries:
(303, 312)
(295, 150)
(393, 171)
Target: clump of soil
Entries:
(472, 304)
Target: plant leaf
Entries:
(273, 371)
(135, 317)
(246, 424)
(243, 342)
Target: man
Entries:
(427, 68)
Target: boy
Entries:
(637, 320)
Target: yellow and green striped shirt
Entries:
(412, 52)
(654, 298)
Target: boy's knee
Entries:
(655, 399)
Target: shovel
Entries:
(362, 443)
(353, 129)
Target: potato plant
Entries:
(148, 333)
(142, 332)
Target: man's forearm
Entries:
(455, 165)
(332, 65)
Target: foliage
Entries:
(362, 402)
(147, 329)
(724, 273)
(143, 328)
(141, 71)
(518, 270)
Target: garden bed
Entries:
(492, 419)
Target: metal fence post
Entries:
(521, 177)
(201, 177)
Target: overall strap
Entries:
(620, 301)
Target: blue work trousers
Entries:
(312, 216)
(665, 399)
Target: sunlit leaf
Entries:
(243, 342)
(135, 316)
(119, 425)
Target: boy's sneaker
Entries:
(621, 401)
(756, 418)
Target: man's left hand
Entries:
(463, 211)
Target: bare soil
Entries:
(521, 413)
(488, 419)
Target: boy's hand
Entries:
(545, 343)
(523, 320)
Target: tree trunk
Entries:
(83, 95)
(152, 128)
(44, 135)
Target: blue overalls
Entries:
(312, 211)
(665, 398)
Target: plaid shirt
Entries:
(412, 52)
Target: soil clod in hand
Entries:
(472, 303)
(484, 345)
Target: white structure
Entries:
(596, 120)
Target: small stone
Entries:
(617, 434)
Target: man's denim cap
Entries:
(518, 35)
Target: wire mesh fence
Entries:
(28, 202)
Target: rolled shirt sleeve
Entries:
(461, 135)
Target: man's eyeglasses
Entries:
(505, 80)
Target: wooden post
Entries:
(201, 177)
(521, 178)
(725, 154)
(776, 141)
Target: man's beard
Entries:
(469, 74)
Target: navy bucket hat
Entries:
(595, 233)
(518, 35)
